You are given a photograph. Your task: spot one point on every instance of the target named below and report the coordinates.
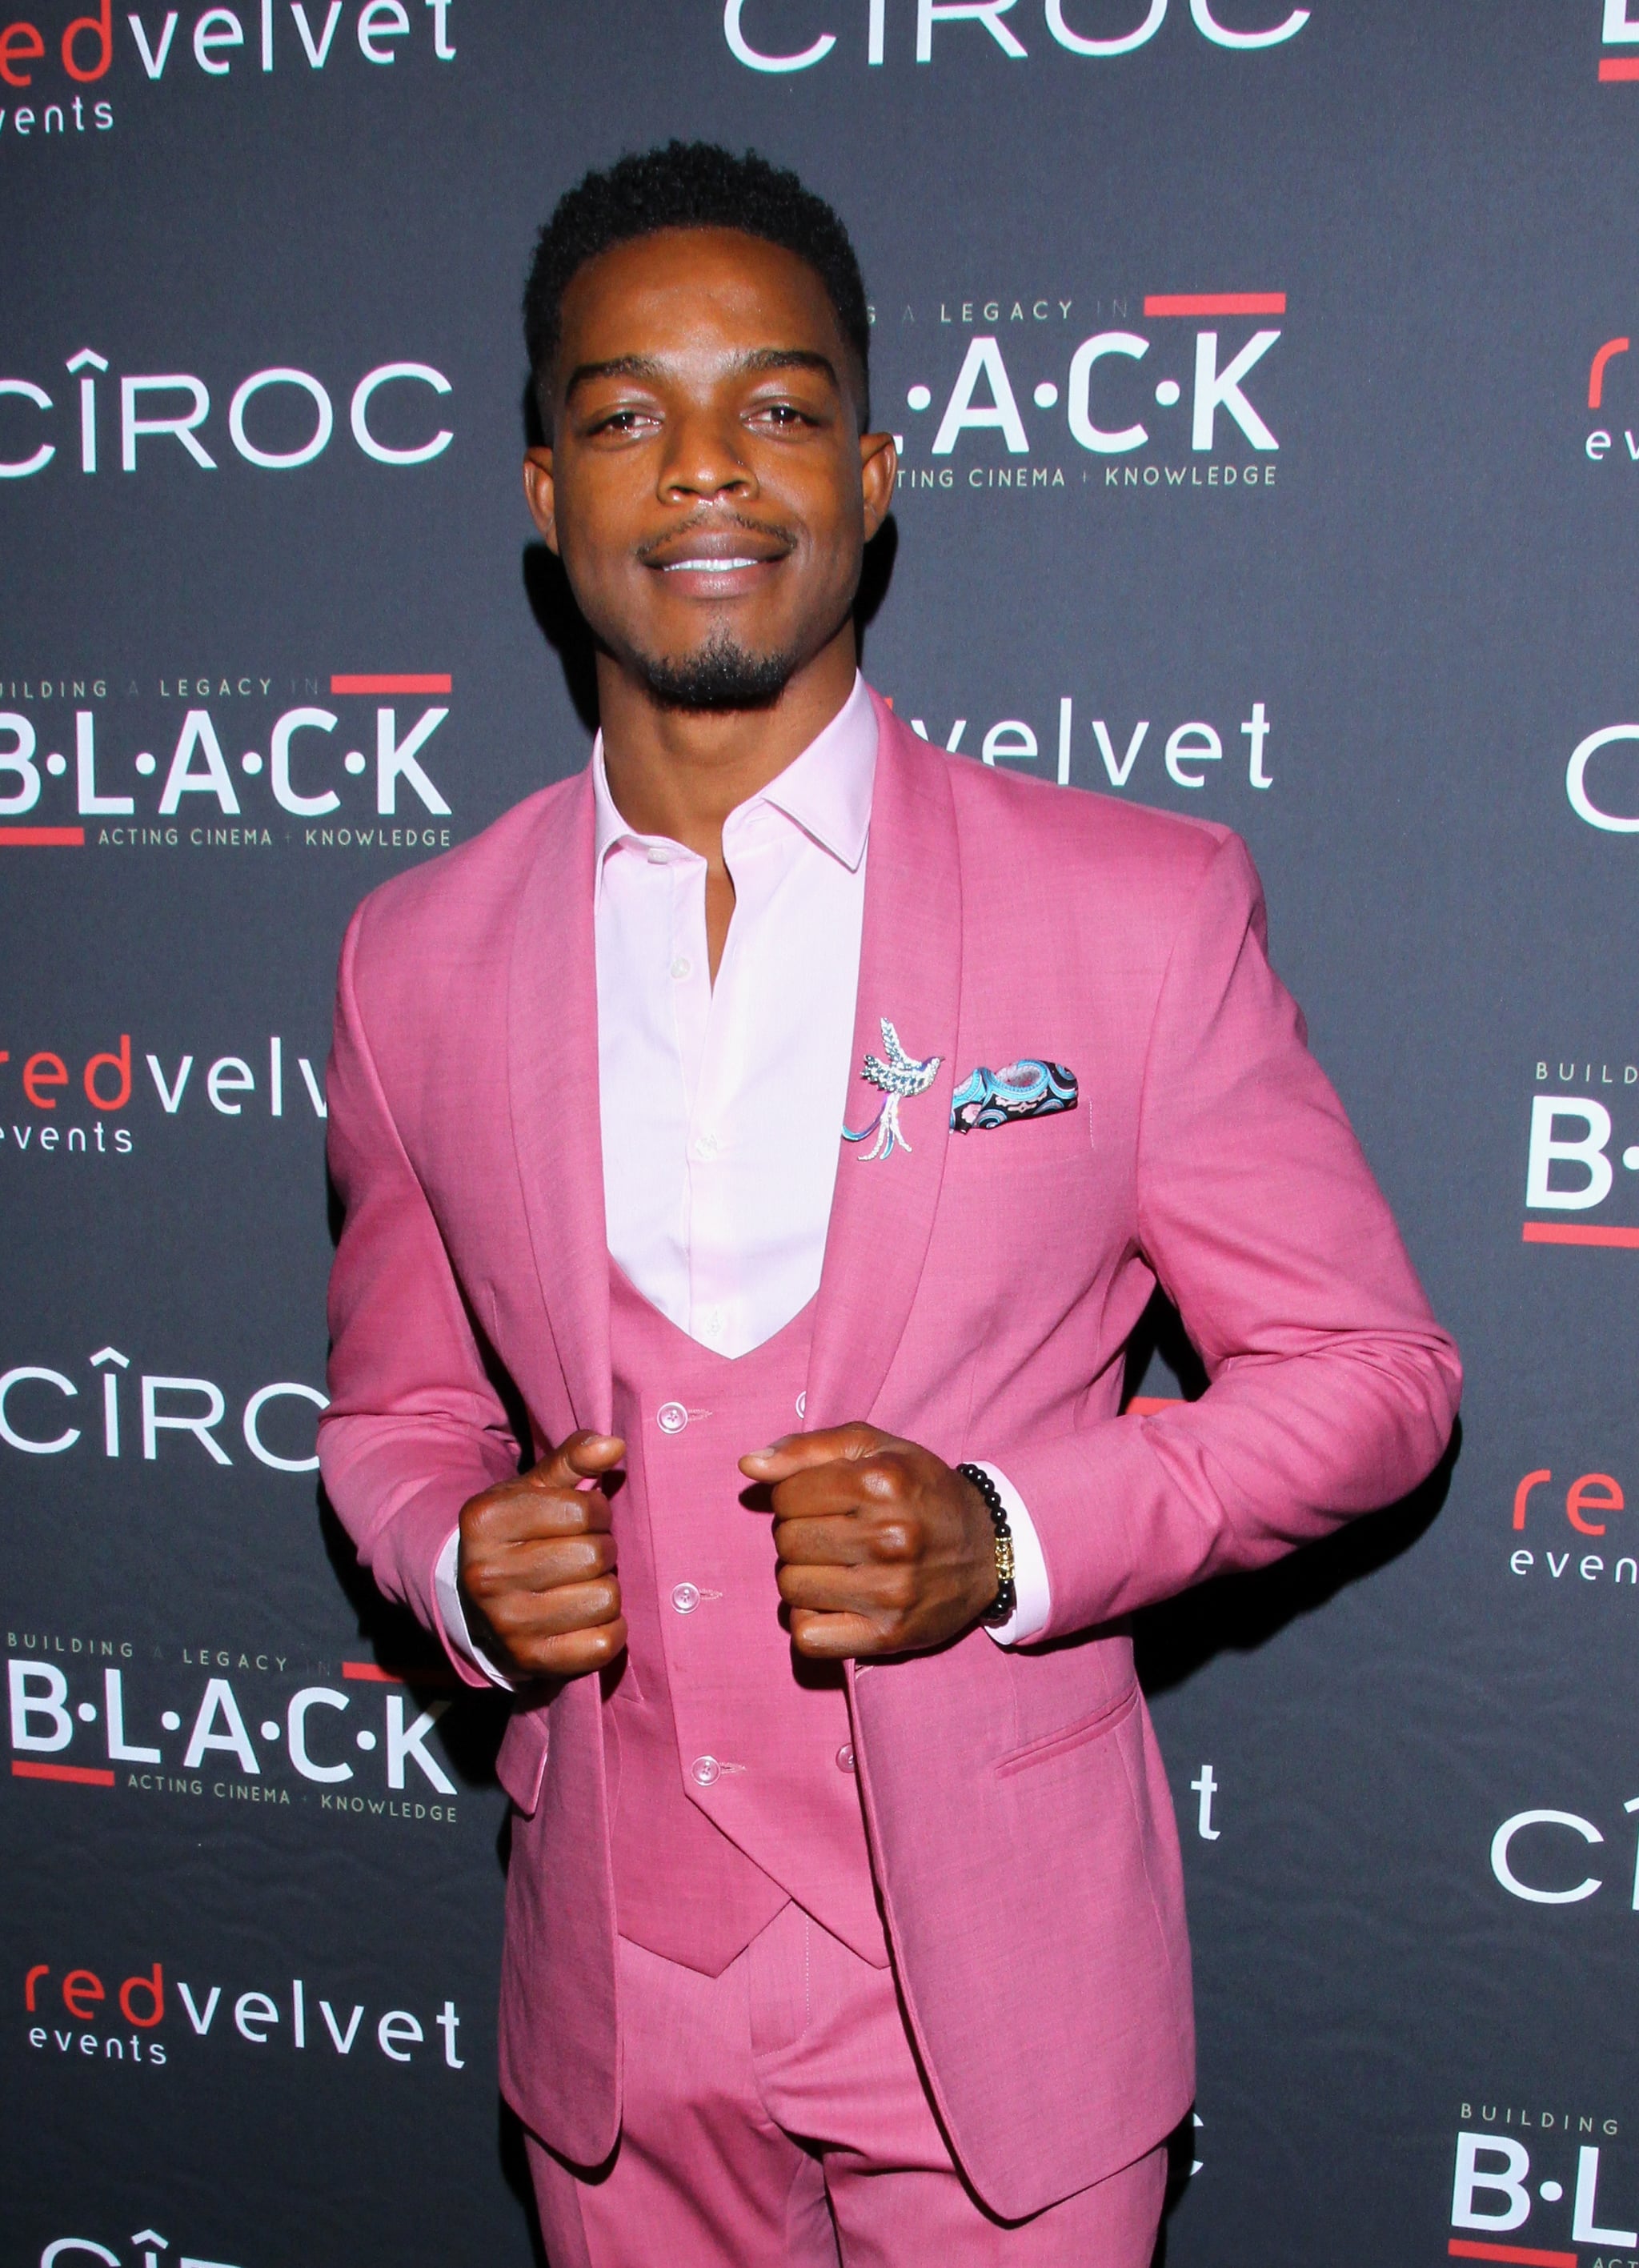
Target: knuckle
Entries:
(896, 1539)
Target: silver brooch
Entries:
(898, 1079)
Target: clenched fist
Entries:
(883, 1548)
(537, 1565)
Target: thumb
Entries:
(579, 1457)
(797, 1453)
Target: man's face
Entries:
(707, 485)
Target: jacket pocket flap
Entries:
(1091, 1727)
(520, 1762)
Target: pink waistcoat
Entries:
(729, 1763)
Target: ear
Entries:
(540, 494)
(878, 469)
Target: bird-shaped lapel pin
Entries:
(899, 1078)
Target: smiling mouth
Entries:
(709, 566)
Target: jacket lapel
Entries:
(552, 1056)
(909, 972)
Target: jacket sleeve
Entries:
(1333, 1390)
(414, 1426)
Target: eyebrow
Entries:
(649, 367)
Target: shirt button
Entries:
(683, 966)
(845, 1757)
(706, 1146)
(672, 1416)
(703, 1770)
(658, 855)
(685, 1598)
(802, 1403)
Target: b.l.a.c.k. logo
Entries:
(1528, 2184)
(1619, 29)
(1186, 402)
(1582, 1172)
(165, 766)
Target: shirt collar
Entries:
(825, 791)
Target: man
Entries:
(829, 1110)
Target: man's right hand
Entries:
(537, 1565)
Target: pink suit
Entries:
(978, 1292)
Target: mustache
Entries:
(714, 518)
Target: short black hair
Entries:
(689, 185)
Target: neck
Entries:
(680, 772)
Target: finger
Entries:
(539, 1563)
(834, 1638)
(848, 1590)
(518, 1616)
(574, 1656)
(837, 1541)
(519, 1512)
(577, 1457)
(794, 1453)
(840, 1486)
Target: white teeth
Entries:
(705, 566)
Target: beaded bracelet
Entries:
(1006, 1596)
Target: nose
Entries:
(705, 458)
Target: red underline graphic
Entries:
(1214, 303)
(435, 683)
(43, 838)
(1519, 2254)
(1556, 1232)
(1618, 67)
(84, 1775)
(371, 1672)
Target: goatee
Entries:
(720, 674)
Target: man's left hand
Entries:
(883, 1548)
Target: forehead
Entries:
(683, 290)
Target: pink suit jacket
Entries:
(978, 1292)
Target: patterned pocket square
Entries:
(1023, 1090)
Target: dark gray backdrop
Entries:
(1422, 568)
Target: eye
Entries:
(784, 415)
(619, 422)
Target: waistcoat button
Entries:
(703, 1770)
(685, 1598)
(672, 1416)
(845, 1757)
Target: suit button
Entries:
(685, 1598)
(703, 1770)
(672, 1416)
(845, 1757)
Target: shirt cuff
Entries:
(1033, 1609)
(452, 1613)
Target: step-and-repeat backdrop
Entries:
(1270, 439)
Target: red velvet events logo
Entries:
(59, 73)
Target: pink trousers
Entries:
(774, 2118)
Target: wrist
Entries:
(1005, 1597)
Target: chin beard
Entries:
(720, 674)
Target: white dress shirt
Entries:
(722, 1104)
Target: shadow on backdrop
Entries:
(1239, 1613)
